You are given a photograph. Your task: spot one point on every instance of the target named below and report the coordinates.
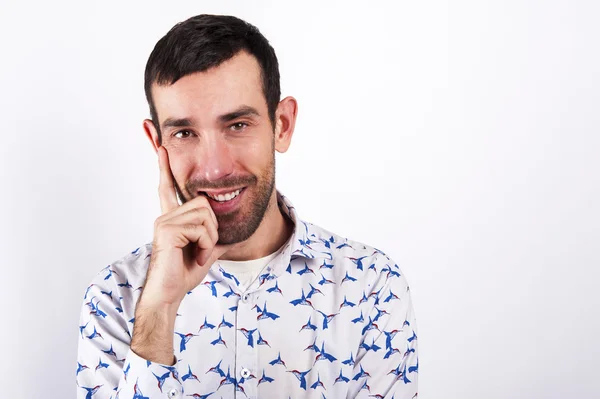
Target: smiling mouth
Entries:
(224, 197)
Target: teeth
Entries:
(225, 197)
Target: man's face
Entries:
(216, 129)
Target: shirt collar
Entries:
(303, 242)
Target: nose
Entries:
(216, 161)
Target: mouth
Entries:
(224, 201)
(223, 196)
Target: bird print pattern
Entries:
(328, 317)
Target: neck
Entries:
(274, 230)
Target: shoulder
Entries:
(368, 260)
(130, 269)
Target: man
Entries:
(237, 297)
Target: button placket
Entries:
(246, 355)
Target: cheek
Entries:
(254, 153)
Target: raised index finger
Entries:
(166, 189)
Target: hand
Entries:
(184, 245)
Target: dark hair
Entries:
(205, 41)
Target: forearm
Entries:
(153, 332)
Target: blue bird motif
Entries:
(211, 285)
(363, 299)
(137, 393)
(326, 266)
(82, 328)
(101, 365)
(360, 319)
(414, 336)
(110, 351)
(341, 378)
(110, 273)
(391, 296)
(390, 352)
(357, 261)
(305, 270)
(80, 368)
(415, 368)
(389, 336)
(223, 323)
(277, 361)
(302, 301)
(228, 276)
(349, 362)
(365, 386)
(408, 351)
(261, 341)
(347, 278)
(370, 326)
(248, 335)
(313, 291)
(362, 373)
(322, 355)
(185, 338)
(265, 277)
(95, 334)
(317, 383)
(380, 312)
(404, 376)
(162, 379)
(313, 346)
(126, 370)
(325, 281)
(373, 347)
(217, 369)
(308, 326)
(207, 324)
(327, 319)
(300, 375)
(231, 292)
(347, 303)
(125, 284)
(189, 375)
(264, 378)
(219, 341)
(227, 380)
(275, 289)
(91, 391)
(266, 314)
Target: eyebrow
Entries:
(244, 110)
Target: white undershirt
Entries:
(246, 271)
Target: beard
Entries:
(240, 224)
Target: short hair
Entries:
(205, 41)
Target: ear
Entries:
(151, 133)
(285, 121)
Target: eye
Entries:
(238, 126)
(181, 131)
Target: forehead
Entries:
(208, 94)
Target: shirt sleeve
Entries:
(106, 365)
(387, 361)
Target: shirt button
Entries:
(245, 373)
(173, 393)
(246, 298)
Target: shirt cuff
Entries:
(151, 379)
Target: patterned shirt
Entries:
(328, 317)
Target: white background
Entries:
(460, 137)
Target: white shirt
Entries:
(328, 317)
